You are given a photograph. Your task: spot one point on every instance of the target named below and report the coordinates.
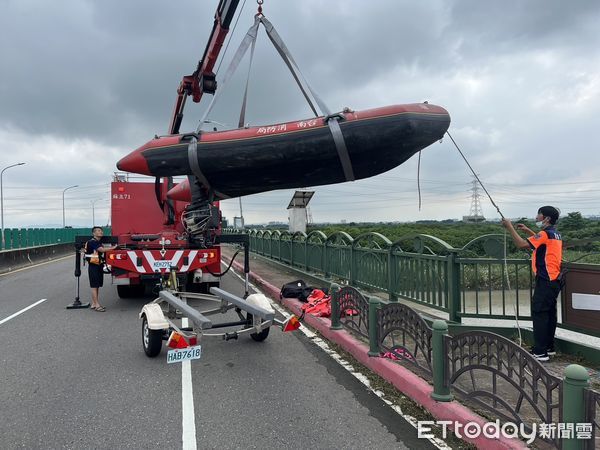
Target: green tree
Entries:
(573, 221)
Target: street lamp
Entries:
(93, 202)
(63, 198)
(2, 199)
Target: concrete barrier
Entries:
(16, 259)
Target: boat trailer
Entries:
(255, 317)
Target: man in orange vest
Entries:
(546, 265)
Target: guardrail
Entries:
(19, 238)
(484, 369)
(475, 280)
(420, 268)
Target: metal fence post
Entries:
(351, 271)
(325, 265)
(453, 287)
(334, 291)
(391, 275)
(306, 255)
(575, 382)
(373, 329)
(279, 247)
(441, 390)
(20, 237)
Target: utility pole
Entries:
(2, 200)
(93, 202)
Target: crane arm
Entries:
(203, 78)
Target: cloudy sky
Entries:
(83, 83)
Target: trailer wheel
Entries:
(151, 339)
(259, 337)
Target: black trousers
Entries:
(543, 313)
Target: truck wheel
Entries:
(151, 339)
(259, 337)
(135, 290)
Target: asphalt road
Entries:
(80, 379)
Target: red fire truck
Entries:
(152, 239)
(156, 232)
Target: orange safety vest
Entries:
(547, 253)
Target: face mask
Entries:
(539, 224)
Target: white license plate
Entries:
(184, 354)
(161, 265)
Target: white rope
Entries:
(507, 277)
(509, 289)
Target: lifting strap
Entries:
(340, 145)
(193, 145)
(239, 54)
(193, 161)
(242, 121)
(293, 67)
(332, 120)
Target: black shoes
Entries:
(541, 357)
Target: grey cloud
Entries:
(519, 78)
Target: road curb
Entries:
(403, 379)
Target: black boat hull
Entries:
(303, 157)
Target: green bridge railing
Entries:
(490, 371)
(17, 238)
(476, 280)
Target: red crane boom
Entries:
(203, 79)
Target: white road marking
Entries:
(188, 420)
(22, 311)
(439, 443)
(35, 265)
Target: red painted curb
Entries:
(403, 379)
